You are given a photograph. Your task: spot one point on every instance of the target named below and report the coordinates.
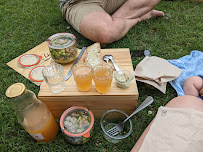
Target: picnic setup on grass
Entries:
(78, 86)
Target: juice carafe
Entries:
(32, 114)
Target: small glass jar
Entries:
(77, 125)
(31, 113)
(62, 47)
(123, 80)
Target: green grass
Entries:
(25, 24)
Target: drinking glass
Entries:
(102, 76)
(82, 73)
(54, 76)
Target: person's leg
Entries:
(103, 28)
(133, 9)
(193, 86)
(178, 102)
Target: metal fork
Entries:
(120, 126)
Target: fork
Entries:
(120, 126)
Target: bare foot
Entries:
(151, 14)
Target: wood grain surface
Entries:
(41, 50)
(116, 98)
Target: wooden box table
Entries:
(116, 98)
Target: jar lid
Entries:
(36, 74)
(15, 90)
(61, 40)
(28, 60)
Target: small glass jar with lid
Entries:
(32, 114)
(62, 47)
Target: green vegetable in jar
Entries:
(77, 122)
(63, 49)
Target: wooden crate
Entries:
(116, 98)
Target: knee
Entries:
(193, 85)
(105, 36)
(186, 101)
(189, 84)
(191, 79)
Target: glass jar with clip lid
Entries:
(32, 114)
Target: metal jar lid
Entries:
(61, 40)
(33, 59)
(36, 74)
(15, 90)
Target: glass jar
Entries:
(77, 125)
(62, 47)
(31, 113)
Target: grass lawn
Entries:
(27, 23)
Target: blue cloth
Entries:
(192, 65)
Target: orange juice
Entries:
(46, 133)
(102, 78)
(83, 77)
(32, 113)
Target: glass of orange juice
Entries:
(82, 73)
(102, 76)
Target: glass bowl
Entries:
(109, 119)
(123, 80)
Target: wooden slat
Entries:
(98, 105)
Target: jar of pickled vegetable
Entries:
(62, 47)
(77, 125)
(32, 114)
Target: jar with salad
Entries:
(62, 47)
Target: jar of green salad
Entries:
(77, 125)
(62, 47)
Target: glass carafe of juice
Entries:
(32, 114)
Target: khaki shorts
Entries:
(175, 130)
(74, 10)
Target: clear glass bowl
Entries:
(123, 80)
(109, 119)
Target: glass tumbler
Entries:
(82, 73)
(54, 76)
(102, 76)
